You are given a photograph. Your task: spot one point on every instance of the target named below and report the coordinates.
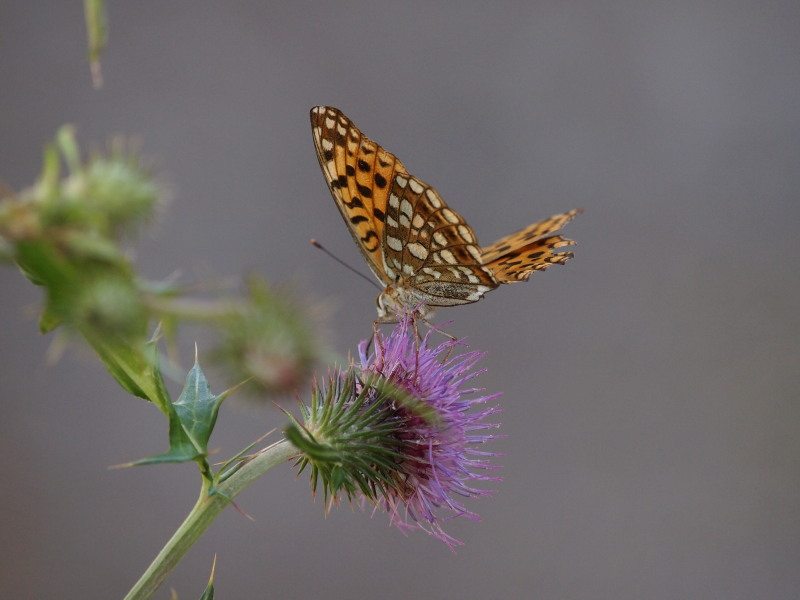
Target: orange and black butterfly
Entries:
(422, 251)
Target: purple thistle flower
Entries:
(436, 457)
(400, 431)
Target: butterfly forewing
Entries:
(358, 173)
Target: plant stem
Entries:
(191, 308)
(207, 508)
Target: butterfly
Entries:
(423, 252)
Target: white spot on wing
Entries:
(394, 243)
(434, 200)
(415, 186)
(450, 216)
(401, 181)
(465, 234)
(417, 250)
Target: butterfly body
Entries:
(423, 252)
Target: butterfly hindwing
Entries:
(432, 246)
(516, 256)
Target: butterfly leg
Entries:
(430, 325)
(375, 324)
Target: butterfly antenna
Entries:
(316, 244)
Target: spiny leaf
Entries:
(197, 407)
(191, 420)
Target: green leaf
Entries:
(208, 593)
(191, 420)
(181, 447)
(197, 407)
(135, 368)
(49, 320)
(41, 264)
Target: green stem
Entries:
(97, 32)
(203, 514)
(191, 308)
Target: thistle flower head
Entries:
(406, 436)
(269, 340)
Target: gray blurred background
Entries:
(651, 385)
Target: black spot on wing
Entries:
(364, 191)
(370, 236)
(355, 202)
